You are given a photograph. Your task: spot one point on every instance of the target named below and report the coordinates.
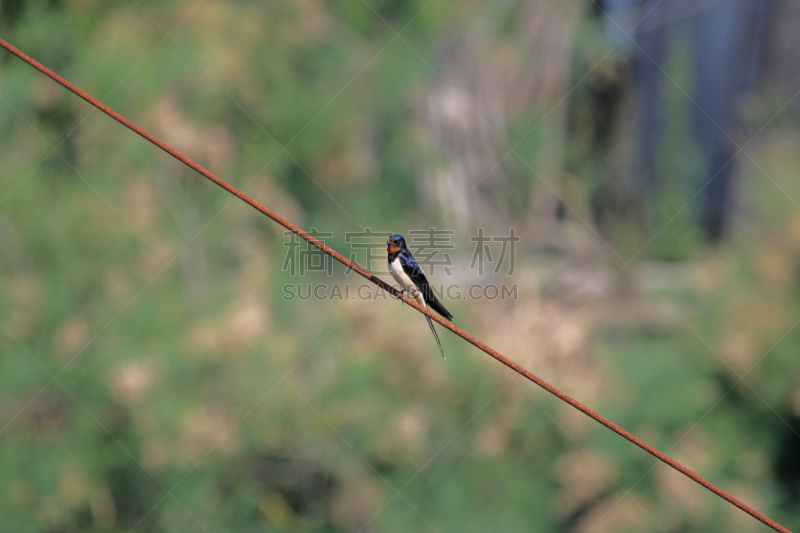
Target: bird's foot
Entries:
(402, 296)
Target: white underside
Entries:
(408, 285)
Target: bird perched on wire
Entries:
(409, 275)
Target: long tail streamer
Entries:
(436, 336)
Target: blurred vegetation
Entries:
(152, 377)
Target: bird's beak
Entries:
(390, 241)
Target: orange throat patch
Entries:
(393, 248)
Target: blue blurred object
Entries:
(726, 39)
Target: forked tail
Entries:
(436, 336)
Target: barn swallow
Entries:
(409, 275)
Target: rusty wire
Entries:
(382, 284)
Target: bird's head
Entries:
(396, 243)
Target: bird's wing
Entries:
(413, 270)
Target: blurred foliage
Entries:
(152, 377)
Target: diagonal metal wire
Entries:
(708, 411)
(383, 285)
(250, 116)
(284, 149)
(54, 149)
(500, 390)
(168, 263)
(627, 264)
(512, 149)
(117, 86)
(584, 450)
(740, 149)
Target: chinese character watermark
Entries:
(302, 257)
(431, 248)
(427, 245)
(483, 251)
(369, 248)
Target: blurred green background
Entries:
(154, 378)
